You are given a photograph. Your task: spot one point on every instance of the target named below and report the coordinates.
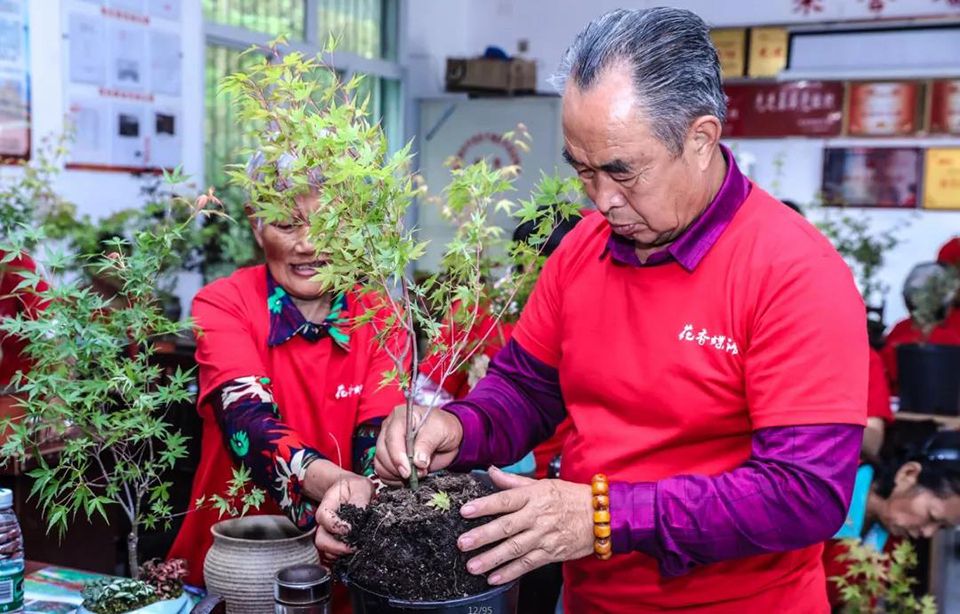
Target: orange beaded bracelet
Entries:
(600, 488)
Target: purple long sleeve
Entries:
(519, 392)
(792, 492)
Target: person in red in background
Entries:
(488, 336)
(12, 303)
(947, 332)
(289, 388)
(878, 408)
(949, 255)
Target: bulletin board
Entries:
(14, 81)
(123, 83)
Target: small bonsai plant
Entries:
(314, 133)
(160, 581)
(881, 583)
(117, 596)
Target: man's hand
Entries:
(540, 522)
(435, 448)
(347, 487)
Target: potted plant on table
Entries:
(314, 127)
(93, 386)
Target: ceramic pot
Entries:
(246, 555)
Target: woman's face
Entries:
(915, 511)
(291, 257)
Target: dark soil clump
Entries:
(406, 543)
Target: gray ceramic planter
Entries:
(246, 555)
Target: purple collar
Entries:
(694, 243)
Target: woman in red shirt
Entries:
(288, 388)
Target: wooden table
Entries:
(951, 422)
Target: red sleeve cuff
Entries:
(632, 523)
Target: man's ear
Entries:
(702, 139)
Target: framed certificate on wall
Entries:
(888, 177)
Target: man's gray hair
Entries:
(675, 69)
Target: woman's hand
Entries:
(542, 521)
(437, 444)
(342, 486)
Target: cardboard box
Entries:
(482, 74)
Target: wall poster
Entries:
(945, 107)
(14, 81)
(942, 179)
(888, 177)
(123, 83)
(889, 108)
(796, 108)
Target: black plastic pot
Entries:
(929, 377)
(499, 600)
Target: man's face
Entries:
(645, 192)
(291, 257)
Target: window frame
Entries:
(346, 63)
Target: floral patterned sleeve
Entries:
(273, 452)
(257, 438)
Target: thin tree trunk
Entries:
(133, 540)
(411, 439)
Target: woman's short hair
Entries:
(939, 460)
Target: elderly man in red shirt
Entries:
(707, 343)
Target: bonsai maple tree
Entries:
(312, 129)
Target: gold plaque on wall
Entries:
(731, 44)
(941, 187)
(768, 51)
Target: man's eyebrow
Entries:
(616, 167)
(570, 159)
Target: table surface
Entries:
(948, 421)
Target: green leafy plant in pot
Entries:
(92, 388)
(313, 131)
(93, 385)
